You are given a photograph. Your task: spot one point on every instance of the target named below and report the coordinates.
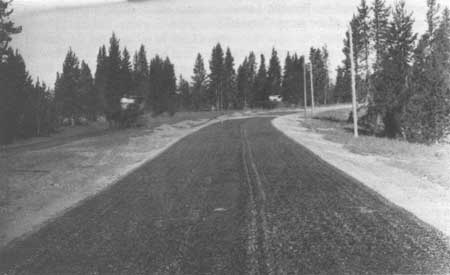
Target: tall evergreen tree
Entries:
(155, 96)
(274, 74)
(229, 82)
(13, 77)
(357, 46)
(326, 75)
(7, 27)
(162, 86)
(363, 18)
(252, 67)
(261, 86)
(342, 88)
(199, 85)
(427, 115)
(184, 94)
(216, 77)
(67, 93)
(170, 86)
(321, 78)
(390, 83)
(113, 91)
(432, 17)
(379, 29)
(100, 80)
(140, 72)
(292, 85)
(87, 94)
(242, 84)
(39, 117)
(287, 79)
(126, 78)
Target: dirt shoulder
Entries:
(415, 177)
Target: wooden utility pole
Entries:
(312, 88)
(352, 67)
(304, 86)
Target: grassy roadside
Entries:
(429, 161)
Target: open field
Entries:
(413, 176)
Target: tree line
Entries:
(254, 80)
(402, 78)
(26, 106)
(30, 108)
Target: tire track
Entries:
(258, 213)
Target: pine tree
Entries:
(427, 115)
(229, 82)
(379, 29)
(390, 83)
(170, 86)
(100, 81)
(113, 91)
(185, 94)
(361, 93)
(252, 66)
(67, 94)
(432, 17)
(261, 86)
(364, 40)
(292, 84)
(274, 74)
(87, 94)
(199, 87)
(140, 72)
(13, 77)
(7, 27)
(126, 78)
(341, 88)
(242, 84)
(216, 77)
(287, 79)
(38, 118)
(326, 75)
(321, 78)
(155, 95)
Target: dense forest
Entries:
(402, 80)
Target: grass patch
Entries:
(333, 126)
(340, 115)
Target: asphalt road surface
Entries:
(237, 197)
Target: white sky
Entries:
(181, 28)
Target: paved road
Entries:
(233, 198)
